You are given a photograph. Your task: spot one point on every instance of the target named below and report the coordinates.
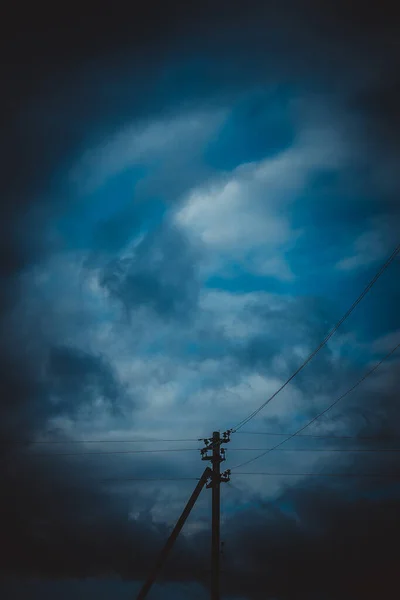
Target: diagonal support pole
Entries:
(174, 534)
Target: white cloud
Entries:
(223, 217)
(369, 247)
(236, 314)
(170, 394)
(244, 217)
(167, 393)
(386, 342)
(145, 143)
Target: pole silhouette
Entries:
(216, 523)
(172, 538)
(217, 456)
(211, 478)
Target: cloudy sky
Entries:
(191, 198)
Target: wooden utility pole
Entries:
(214, 453)
(216, 508)
(217, 456)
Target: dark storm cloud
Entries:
(312, 540)
(48, 113)
(61, 523)
(160, 274)
(372, 411)
(290, 323)
(55, 523)
(329, 545)
(60, 381)
(21, 391)
(325, 537)
(78, 378)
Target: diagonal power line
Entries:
(324, 341)
(301, 429)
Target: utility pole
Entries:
(211, 479)
(216, 516)
(217, 456)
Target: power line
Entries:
(265, 433)
(265, 450)
(317, 450)
(108, 452)
(367, 374)
(165, 450)
(263, 473)
(373, 475)
(62, 442)
(59, 442)
(325, 436)
(118, 479)
(324, 341)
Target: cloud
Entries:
(77, 379)
(190, 356)
(370, 246)
(318, 541)
(387, 342)
(146, 145)
(160, 274)
(243, 217)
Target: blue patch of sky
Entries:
(336, 201)
(205, 349)
(375, 316)
(198, 349)
(259, 126)
(378, 313)
(333, 216)
(111, 216)
(238, 279)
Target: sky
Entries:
(191, 197)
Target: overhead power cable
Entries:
(377, 475)
(107, 452)
(326, 436)
(323, 412)
(324, 341)
(66, 442)
(262, 473)
(264, 433)
(118, 479)
(266, 450)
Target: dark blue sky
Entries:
(192, 197)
